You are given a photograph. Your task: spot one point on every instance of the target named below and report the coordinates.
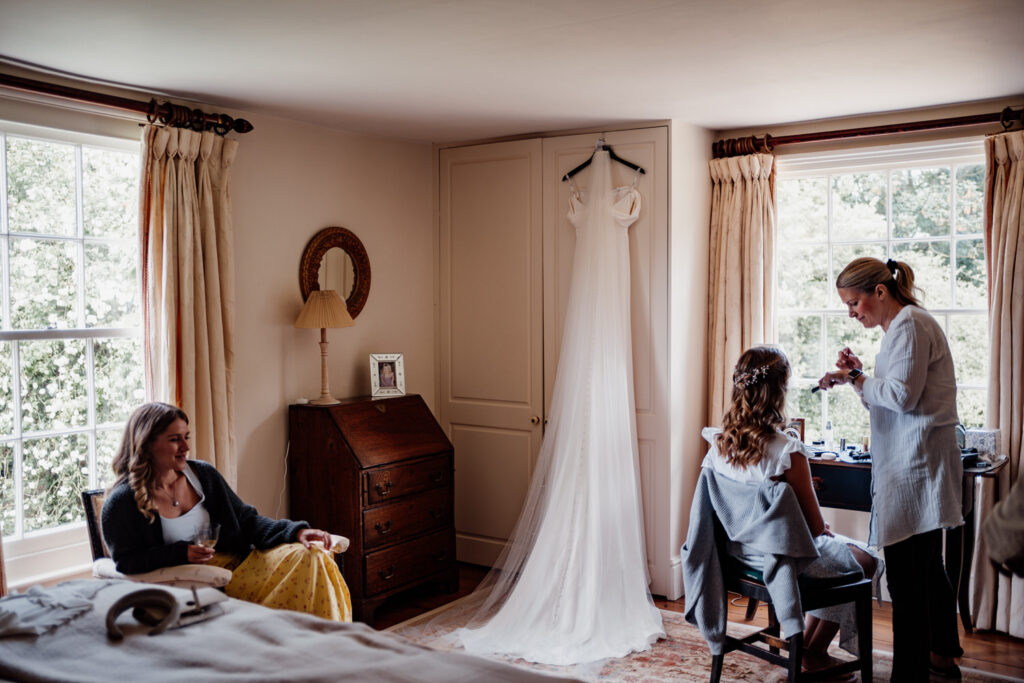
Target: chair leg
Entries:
(751, 609)
(773, 627)
(796, 657)
(716, 667)
(864, 639)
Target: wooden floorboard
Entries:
(988, 651)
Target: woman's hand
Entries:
(831, 379)
(199, 554)
(308, 536)
(848, 361)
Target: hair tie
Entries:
(891, 265)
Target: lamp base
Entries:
(324, 401)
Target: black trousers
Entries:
(923, 606)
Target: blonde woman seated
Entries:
(161, 499)
(752, 448)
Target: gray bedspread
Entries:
(50, 637)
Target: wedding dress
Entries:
(571, 586)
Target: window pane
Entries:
(40, 187)
(841, 331)
(110, 192)
(848, 415)
(107, 441)
(800, 402)
(44, 284)
(111, 288)
(53, 384)
(803, 276)
(800, 336)
(6, 390)
(6, 490)
(971, 277)
(920, 202)
(54, 474)
(968, 342)
(970, 195)
(803, 210)
(859, 206)
(118, 377)
(930, 262)
(970, 405)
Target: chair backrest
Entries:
(92, 501)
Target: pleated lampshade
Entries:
(324, 308)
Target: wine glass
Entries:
(207, 535)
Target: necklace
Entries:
(173, 498)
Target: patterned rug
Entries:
(681, 656)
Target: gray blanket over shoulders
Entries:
(762, 519)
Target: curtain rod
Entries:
(169, 114)
(753, 144)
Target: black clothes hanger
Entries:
(602, 146)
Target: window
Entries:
(921, 205)
(70, 330)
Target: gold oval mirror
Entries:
(335, 259)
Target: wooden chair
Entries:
(814, 593)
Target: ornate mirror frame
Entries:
(309, 266)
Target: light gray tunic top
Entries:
(916, 471)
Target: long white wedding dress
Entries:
(572, 584)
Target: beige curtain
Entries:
(188, 284)
(3, 574)
(740, 286)
(998, 601)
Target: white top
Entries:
(185, 527)
(916, 470)
(773, 464)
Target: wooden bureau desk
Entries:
(847, 486)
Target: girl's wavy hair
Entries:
(756, 412)
(133, 461)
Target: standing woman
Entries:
(161, 499)
(916, 471)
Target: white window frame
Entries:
(52, 553)
(959, 152)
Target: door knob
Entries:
(535, 420)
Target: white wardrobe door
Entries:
(491, 334)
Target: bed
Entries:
(60, 634)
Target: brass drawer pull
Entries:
(383, 529)
(437, 512)
(388, 574)
(437, 477)
(383, 488)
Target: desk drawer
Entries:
(401, 564)
(841, 485)
(385, 484)
(408, 517)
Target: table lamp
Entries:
(323, 309)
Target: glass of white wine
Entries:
(207, 535)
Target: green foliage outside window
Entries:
(71, 355)
(928, 216)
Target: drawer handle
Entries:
(383, 488)
(437, 512)
(437, 477)
(387, 574)
(383, 529)
(441, 556)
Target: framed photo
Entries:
(796, 425)
(387, 374)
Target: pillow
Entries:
(184, 575)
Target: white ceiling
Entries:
(444, 70)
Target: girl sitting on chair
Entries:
(161, 499)
(752, 448)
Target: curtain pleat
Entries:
(188, 282)
(998, 601)
(740, 291)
